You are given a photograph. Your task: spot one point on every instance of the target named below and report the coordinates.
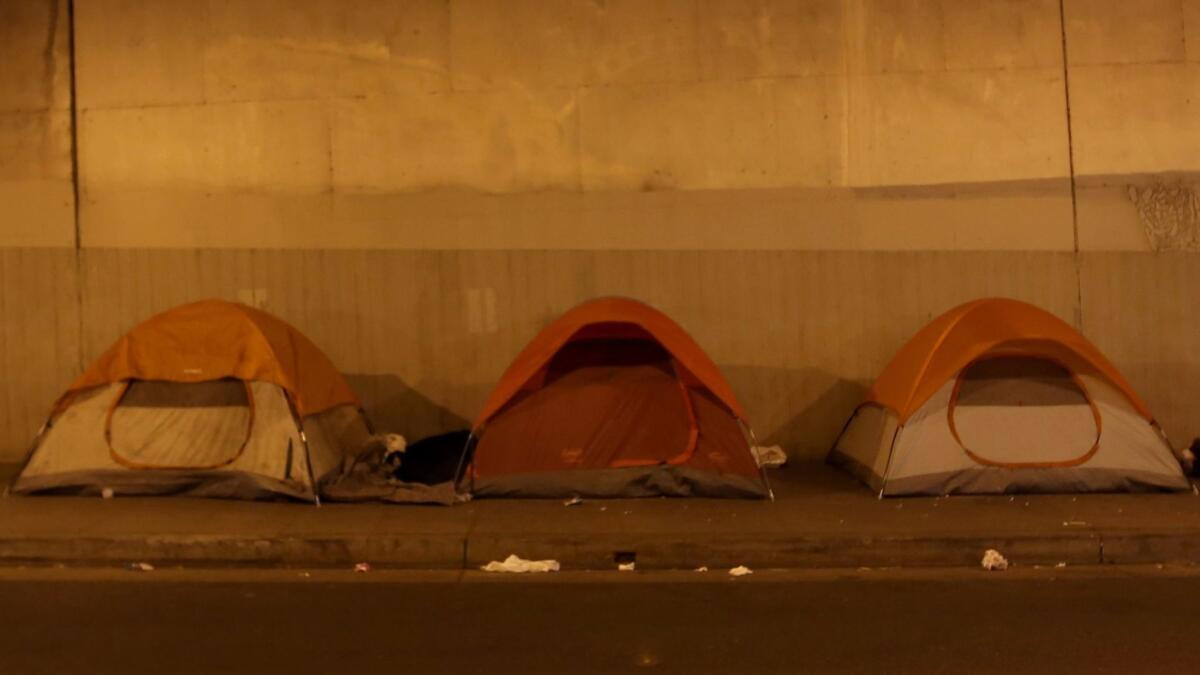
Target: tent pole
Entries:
(312, 480)
(761, 471)
(462, 459)
(28, 456)
(887, 469)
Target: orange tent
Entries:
(998, 396)
(211, 398)
(214, 339)
(613, 398)
(963, 334)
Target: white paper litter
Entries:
(740, 571)
(626, 567)
(1074, 523)
(518, 565)
(992, 560)
(702, 568)
(362, 567)
(769, 456)
(573, 501)
(107, 493)
(141, 567)
(1061, 565)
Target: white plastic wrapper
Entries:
(740, 571)
(769, 456)
(517, 565)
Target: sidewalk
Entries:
(821, 518)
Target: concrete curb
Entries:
(660, 551)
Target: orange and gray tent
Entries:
(999, 396)
(613, 399)
(209, 399)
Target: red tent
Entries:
(613, 398)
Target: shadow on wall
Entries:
(393, 406)
(801, 409)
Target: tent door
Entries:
(179, 426)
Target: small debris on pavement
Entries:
(1061, 564)
(573, 501)
(518, 565)
(992, 560)
(362, 567)
(769, 456)
(305, 574)
(141, 567)
(603, 508)
(740, 571)
(626, 567)
(106, 493)
(1074, 523)
(702, 568)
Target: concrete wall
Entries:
(421, 185)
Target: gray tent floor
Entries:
(821, 518)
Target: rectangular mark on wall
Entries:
(481, 311)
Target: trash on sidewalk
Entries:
(626, 567)
(740, 571)
(106, 493)
(140, 567)
(702, 568)
(573, 501)
(1061, 564)
(1074, 523)
(992, 560)
(769, 456)
(362, 567)
(518, 565)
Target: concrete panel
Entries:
(1140, 309)
(272, 49)
(37, 212)
(36, 193)
(1002, 34)
(33, 51)
(889, 36)
(975, 126)
(706, 135)
(1133, 119)
(770, 38)
(280, 147)
(502, 141)
(39, 340)
(166, 217)
(35, 145)
(1191, 27)
(531, 43)
(1117, 31)
(136, 53)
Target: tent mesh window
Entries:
(174, 425)
(1021, 411)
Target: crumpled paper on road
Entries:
(518, 565)
(992, 560)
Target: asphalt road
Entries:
(1047, 621)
